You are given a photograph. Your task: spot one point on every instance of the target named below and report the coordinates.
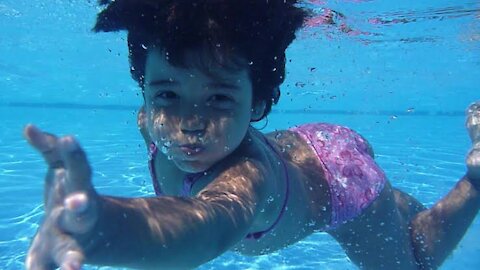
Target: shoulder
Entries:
(243, 173)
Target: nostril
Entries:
(196, 132)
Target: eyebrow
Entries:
(210, 85)
(161, 82)
(222, 85)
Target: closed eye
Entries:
(221, 98)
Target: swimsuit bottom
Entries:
(354, 179)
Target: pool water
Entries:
(402, 76)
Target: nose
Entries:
(193, 125)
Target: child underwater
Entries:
(207, 70)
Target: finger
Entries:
(80, 213)
(77, 167)
(71, 260)
(80, 209)
(55, 195)
(473, 121)
(45, 143)
(67, 254)
(37, 256)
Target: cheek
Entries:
(159, 125)
(234, 129)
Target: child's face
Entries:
(196, 119)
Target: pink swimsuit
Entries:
(354, 178)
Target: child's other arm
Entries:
(437, 231)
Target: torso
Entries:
(308, 204)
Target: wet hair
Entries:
(255, 31)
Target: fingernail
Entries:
(69, 144)
(74, 265)
(29, 130)
(77, 202)
(59, 174)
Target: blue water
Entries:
(403, 83)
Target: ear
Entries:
(258, 109)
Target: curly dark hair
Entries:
(258, 31)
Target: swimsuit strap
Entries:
(257, 235)
(188, 181)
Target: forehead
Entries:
(159, 62)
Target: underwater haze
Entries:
(401, 73)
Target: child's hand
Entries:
(473, 158)
(71, 204)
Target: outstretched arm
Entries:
(436, 232)
(173, 232)
(81, 226)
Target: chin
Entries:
(192, 166)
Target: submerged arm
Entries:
(174, 232)
(436, 232)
